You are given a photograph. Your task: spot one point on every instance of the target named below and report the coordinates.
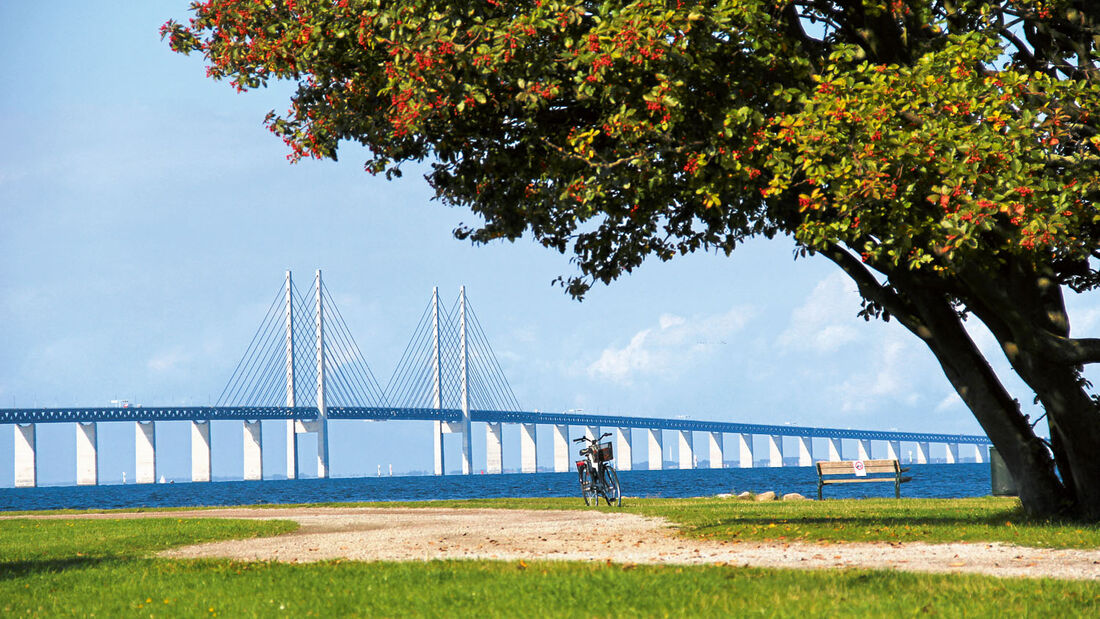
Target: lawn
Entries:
(104, 568)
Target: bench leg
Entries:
(819, 485)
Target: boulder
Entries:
(746, 496)
(724, 495)
(766, 496)
(794, 496)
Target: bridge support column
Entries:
(744, 451)
(805, 451)
(87, 457)
(717, 449)
(863, 449)
(980, 453)
(26, 465)
(656, 449)
(561, 449)
(494, 449)
(624, 456)
(952, 452)
(200, 450)
(893, 450)
(145, 452)
(775, 451)
(528, 448)
(591, 432)
(922, 453)
(253, 450)
(834, 449)
(687, 449)
(292, 449)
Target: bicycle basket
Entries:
(604, 453)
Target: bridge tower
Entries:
(291, 424)
(320, 426)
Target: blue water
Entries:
(929, 480)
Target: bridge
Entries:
(303, 352)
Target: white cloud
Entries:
(674, 344)
(167, 361)
(892, 375)
(952, 400)
(825, 322)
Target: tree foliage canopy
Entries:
(945, 154)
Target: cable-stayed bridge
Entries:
(304, 366)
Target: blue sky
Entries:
(148, 218)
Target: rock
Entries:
(746, 495)
(766, 496)
(794, 496)
(724, 495)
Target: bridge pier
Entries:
(775, 450)
(87, 458)
(145, 452)
(26, 465)
(979, 457)
(834, 449)
(805, 450)
(893, 450)
(655, 443)
(528, 448)
(687, 449)
(863, 449)
(623, 449)
(253, 450)
(744, 451)
(292, 449)
(200, 451)
(494, 449)
(717, 457)
(952, 452)
(561, 448)
(922, 453)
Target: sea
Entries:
(929, 481)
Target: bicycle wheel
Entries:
(611, 487)
(588, 488)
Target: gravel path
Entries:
(416, 534)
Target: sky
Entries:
(147, 219)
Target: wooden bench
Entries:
(883, 471)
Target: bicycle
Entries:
(597, 476)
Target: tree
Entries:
(942, 153)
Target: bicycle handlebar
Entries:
(592, 440)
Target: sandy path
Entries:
(414, 534)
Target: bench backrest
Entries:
(845, 467)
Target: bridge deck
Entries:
(217, 413)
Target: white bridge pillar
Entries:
(494, 450)
(687, 449)
(291, 424)
(253, 450)
(863, 449)
(200, 450)
(145, 452)
(561, 449)
(321, 425)
(893, 450)
(805, 451)
(744, 451)
(775, 450)
(624, 456)
(980, 453)
(26, 466)
(655, 442)
(467, 433)
(952, 452)
(717, 449)
(528, 448)
(922, 453)
(87, 457)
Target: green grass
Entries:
(102, 568)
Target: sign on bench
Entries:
(861, 471)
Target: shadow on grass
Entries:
(13, 570)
